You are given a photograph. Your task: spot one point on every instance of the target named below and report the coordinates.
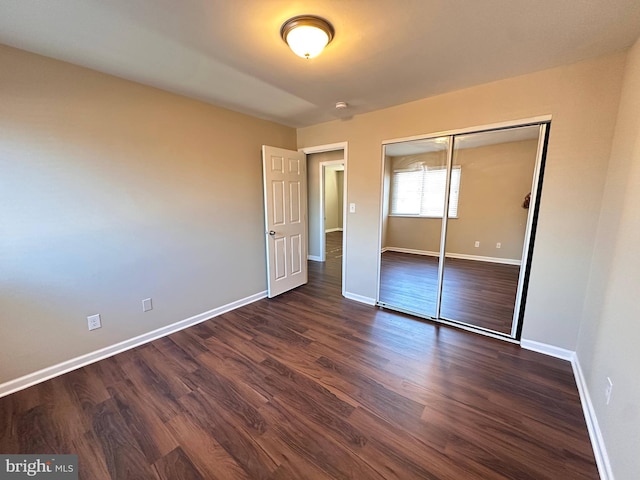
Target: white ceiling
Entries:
(229, 52)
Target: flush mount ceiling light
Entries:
(307, 35)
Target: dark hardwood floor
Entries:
(309, 385)
(333, 245)
(478, 293)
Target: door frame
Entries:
(344, 146)
(516, 327)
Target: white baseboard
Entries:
(384, 249)
(46, 373)
(411, 251)
(595, 434)
(331, 230)
(360, 298)
(462, 256)
(479, 258)
(314, 258)
(547, 349)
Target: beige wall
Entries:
(332, 199)
(494, 180)
(583, 99)
(111, 192)
(609, 342)
(313, 187)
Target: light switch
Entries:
(352, 208)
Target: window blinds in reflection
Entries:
(421, 192)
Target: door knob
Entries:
(272, 233)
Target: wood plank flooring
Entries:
(333, 246)
(478, 293)
(310, 385)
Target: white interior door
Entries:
(285, 205)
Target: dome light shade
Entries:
(307, 35)
(307, 42)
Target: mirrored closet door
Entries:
(457, 220)
(415, 181)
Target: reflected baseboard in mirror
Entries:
(476, 293)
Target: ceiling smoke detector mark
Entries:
(341, 105)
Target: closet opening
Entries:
(458, 219)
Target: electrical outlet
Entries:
(477, 244)
(147, 305)
(94, 322)
(608, 390)
(498, 245)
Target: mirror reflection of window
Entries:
(421, 191)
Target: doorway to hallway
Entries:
(327, 192)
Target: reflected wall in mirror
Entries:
(472, 274)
